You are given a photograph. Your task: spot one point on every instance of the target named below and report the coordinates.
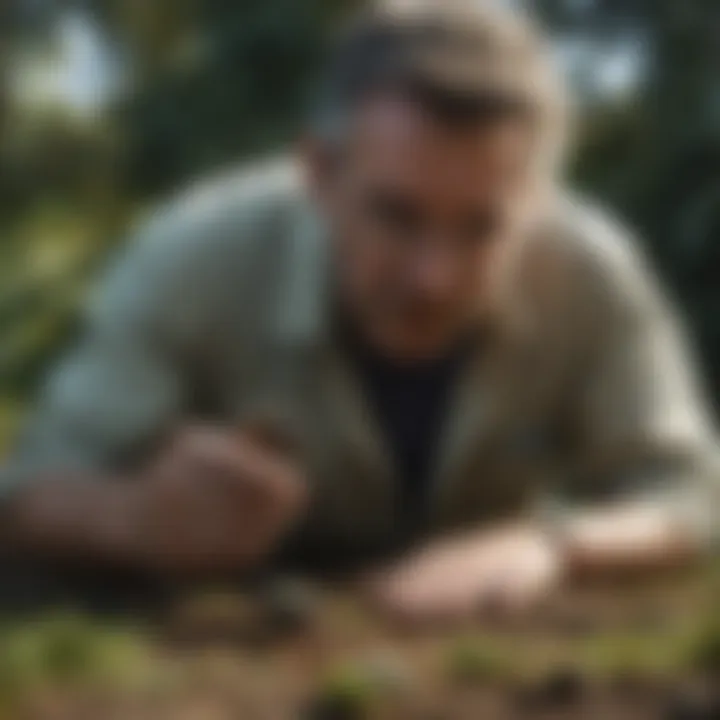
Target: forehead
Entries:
(396, 141)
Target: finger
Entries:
(513, 597)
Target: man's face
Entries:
(419, 211)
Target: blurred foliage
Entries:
(64, 650)
(206, 83)
(471, 661)
(211, 81)
(655, 155)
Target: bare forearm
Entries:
(77, 519)
(212, 501)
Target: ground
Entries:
(294, 651)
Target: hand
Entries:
(505, 570)
(214, 501)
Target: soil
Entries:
(635, 650)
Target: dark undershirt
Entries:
(410, 404)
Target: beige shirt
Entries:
(217, 311)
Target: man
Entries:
(408, 338)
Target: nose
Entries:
(433, 269)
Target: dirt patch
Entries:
(297, 652)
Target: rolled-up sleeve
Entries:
(644, 433)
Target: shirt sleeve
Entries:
(176, 298)
(120, 386)
(643, 431)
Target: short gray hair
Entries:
(465, 60)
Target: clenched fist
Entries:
(214, 501)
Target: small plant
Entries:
(347, 694)
(620, 657)
(64, 649)
(69, 648)
(703, 653)
(20, 669)
(473, 662)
